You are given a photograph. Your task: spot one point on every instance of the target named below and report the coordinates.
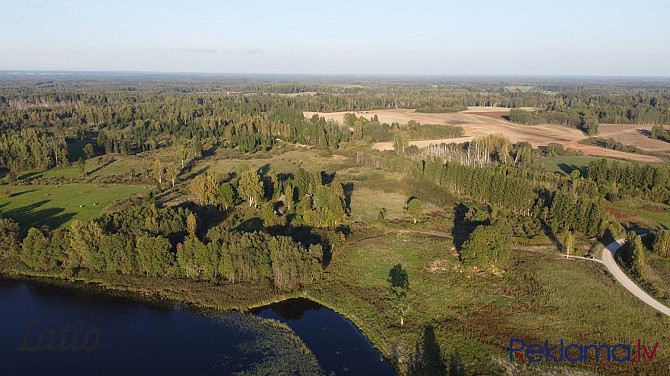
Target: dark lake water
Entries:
(51, 331)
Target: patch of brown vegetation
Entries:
(620, 214)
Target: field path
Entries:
(608, 259)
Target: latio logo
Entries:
(70, 339)
(579, 353)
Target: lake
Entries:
(55, 331)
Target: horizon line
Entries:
(397, 75)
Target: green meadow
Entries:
(57, 205)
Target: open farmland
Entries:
(483, 121)
(638, 135)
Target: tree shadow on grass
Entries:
(568, 168)
(250, 225)
(22, 192)
(32, 216)
(192, 175)
(348, 192)
(264, 169)
(462, 228)
(327, 178)
(550, 234)
(32, 174)
(109, 162)
(427, 358)
(230, 176)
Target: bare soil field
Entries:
(483, 121)
(637, 135)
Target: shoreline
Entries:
(158, 299)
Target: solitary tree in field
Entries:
(415, 208)
(399, 286)
(487, 244)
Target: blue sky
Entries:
(339, 37)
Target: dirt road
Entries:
(608, 259)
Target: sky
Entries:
(591, 38)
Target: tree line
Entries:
(145, 240)
(583, 120)
(615, 178)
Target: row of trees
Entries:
(584, 110)
(497, 186)
(584, 120)
(482, 151)
(156, 246)
(645, 180)
(574, 205)
(133, 122)
(576, 212)
(611, 143)
(373, 130)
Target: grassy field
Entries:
(645, 217)
(120, 166)
(367, 203)
(310, 159)
(565, 164)
(657, 273)
(474, 315)
(56, 206)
